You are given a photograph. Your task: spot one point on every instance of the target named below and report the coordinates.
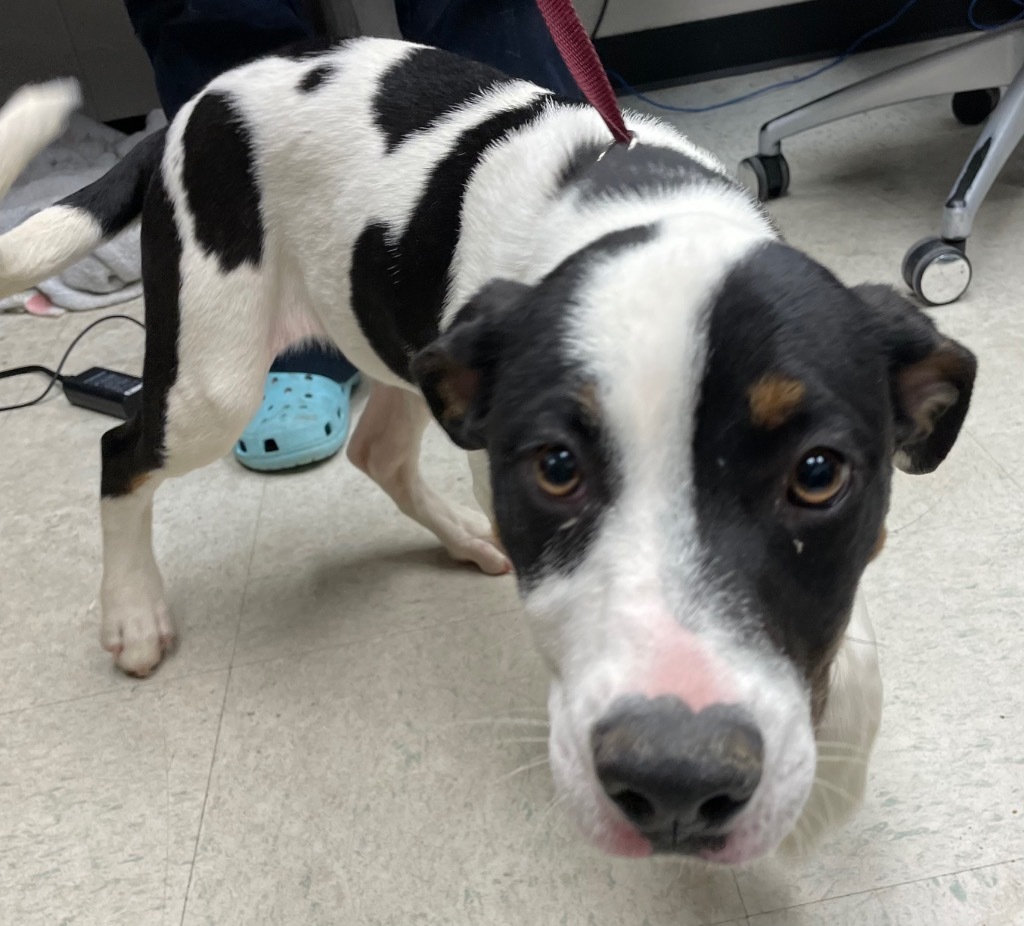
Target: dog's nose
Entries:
(676, 775)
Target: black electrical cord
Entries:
(600, 21)
(55, 375)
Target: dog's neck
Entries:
(548, 213)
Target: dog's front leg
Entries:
(386, 446)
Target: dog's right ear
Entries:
(456, 372)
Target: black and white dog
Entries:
(682, 428)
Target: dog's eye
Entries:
(819, 478)
(557, 471)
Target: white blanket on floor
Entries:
(87, 150)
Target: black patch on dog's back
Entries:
(115, 199)
(314, 77)
(640, 170)
(219, 175)
(399, 287)
(427, 83)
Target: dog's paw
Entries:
(472, 541)
(137, 631)
(486, 554)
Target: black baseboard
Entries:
(754, 41)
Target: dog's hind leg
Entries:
(208, 348)
(386, 446)
(136, 625)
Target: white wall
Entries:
(88, 39)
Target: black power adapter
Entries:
(107, 391)
(99, 389)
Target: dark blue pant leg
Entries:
(189, 42)
(507, 34)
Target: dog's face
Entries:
(691, 441)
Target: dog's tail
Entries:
(57, 236)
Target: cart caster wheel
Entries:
(767, 175)
(937, 271)
(973, 107)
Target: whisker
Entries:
(554, 803)
(835, 789)
(536, 763)
(839, 758)
(799, 843)
(679, 875)
(508, 639)
(523, 739)
(510, 721)
(874, 643)
(809, 816)
(539, 830)
(802, 832)
(855, 760)
(923, 514)
(820, 820)
(799, 836)
(839, 744)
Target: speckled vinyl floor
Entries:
(329, 745)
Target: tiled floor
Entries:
(336, 740)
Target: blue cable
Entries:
(630, 89)
(989, 27)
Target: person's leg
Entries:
(188, 45)
(507, 34)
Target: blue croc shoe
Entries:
(303, 419)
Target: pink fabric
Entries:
(38, 304)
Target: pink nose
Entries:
(684, 668)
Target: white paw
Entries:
(472, 541)
(486, 554)
(137, 629)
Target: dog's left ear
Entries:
(932, 378)
(456, 371)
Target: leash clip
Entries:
(630, 145)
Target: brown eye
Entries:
(557, 471)
(819, 478)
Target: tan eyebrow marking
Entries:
(774, 399)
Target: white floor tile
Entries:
(100, 803)
(992, 896)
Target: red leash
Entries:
(581, 59)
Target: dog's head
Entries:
(691, 443)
